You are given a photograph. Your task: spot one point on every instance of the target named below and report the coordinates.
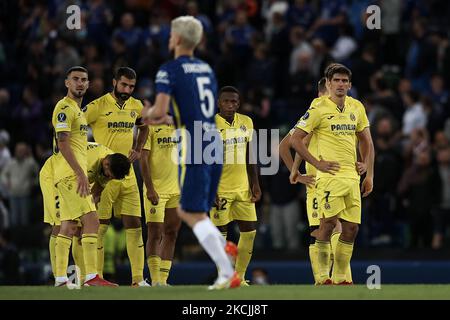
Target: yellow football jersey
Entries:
(313, 143)
(235, 137)
(95, 153)
(336, 131)
(68, 117)
(161, 143)
(112, 125)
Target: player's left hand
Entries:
(367, 186)
(256, 193)
(134, 155)
(361, 168)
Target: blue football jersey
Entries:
(193, 87)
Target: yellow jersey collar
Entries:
(112, 100)
(226, 122)
(336, 106)
(71, 102)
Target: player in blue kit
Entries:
(188, 86)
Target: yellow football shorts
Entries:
(49, 195)
(120, 196)
(233, 206)
(72, 206)
(341, 197)
(156, 213)
(312, 207)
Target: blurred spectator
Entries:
(239, 35)
(326, 26)
(5, 110)
(414, 116)
(9, 260)
(321, 57)
(345, 45)
(28, 114)
(129, 32)
(284, 210)
(391, 22)
(382, 204)
(439, 95)
(385, 97)
(99, 17)
(66, 56)
(299, 46)
(419, 58)
(192, 10)
(420, 190)
(260, 70)
(5, 155)
(300, 13)
(18, 177)
(441, 213)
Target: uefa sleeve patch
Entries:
(162, 77)
(61, 117)
(305, 116)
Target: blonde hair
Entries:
(189, 29)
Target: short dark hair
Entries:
(119, 165)
(76, 68)
(321, 85)
(336, 68)
(126, 72)
(229, 89)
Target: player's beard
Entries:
(121, 95)
(78, 93)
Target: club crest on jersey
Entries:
(243, 128)
(352, 117)
(133, 114)
(152, 210)
(61, 117)
(305, 116)
(327, 206)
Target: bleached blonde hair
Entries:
(189, 29)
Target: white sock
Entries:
(90, 276)
(61, 279)
(214, 244)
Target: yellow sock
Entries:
(51, 249)
(77, 254)
(135, 250)
(245, 251)
(100, 248)
(164, 269)
(89, 243)
(333, 240)
(154, 265)
(323, 259)
(342, 259)
(313, 257)
(62, 248)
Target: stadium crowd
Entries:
(274, 52)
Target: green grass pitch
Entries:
(271, 292)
